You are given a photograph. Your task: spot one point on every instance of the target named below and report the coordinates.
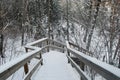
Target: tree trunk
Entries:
(85, 36)
(119, 59)
(1, 35)
(112, 31)
(117, 48)
(90, 38)
(96, 5)
(1, 45)
(22, 36)
(67, 21)
(48, 14)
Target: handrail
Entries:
(100, 67)
(12, 66)
(82, 73)
(36, 42)
(107, 71)
(9, 68)
(63, 44)
(80, 48)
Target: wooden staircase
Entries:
(37, 48)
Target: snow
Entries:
(55, 67)
(17, 60)
(105, 66)
(35, 42)
(18, 75)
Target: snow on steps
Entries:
(55, 67)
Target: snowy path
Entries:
(55, 67)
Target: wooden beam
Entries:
(26, 69)
(28, 76)
(98, 67)
(82, 74)
(11, 69)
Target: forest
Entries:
(91, 24)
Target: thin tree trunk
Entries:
(85, 36)
(1, 35)
(96, 6)
(67, 21)
(48, 23)
(1, 45)
(117, 48)
(90, 38)
(119, 59)
(112, 31)
(22, 36)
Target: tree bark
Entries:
(85, 36)
(117, 48)
(96, 5)
(48, 23)
(1, 35)
(67, 21)
(1, 45)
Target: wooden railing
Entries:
(76, 47)
(35, 50)
(109, 72)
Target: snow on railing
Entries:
(11, 67)
(36, 42)
(107, 71)
(81, 49)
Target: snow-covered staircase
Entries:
(55, 67)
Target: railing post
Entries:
(48, 45)
(41, 58)
(68, 53)
(26, 69)
(63, 49)
(53, 43)
(82, 66)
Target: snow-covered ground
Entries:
(55, 67)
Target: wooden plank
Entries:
(28, 76)
(80, 48)
(13, 68)
(56, 47)
(48, 44)
(36, 42)
(58, 42)
(26, 69)
(82, 74)
(97, 67)
(4, 75)
(8, 72)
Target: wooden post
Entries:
(82, 66)
(53, 42)
(68, 53)
(41, 58)
(48, 44)
(26, 69)
(63, 49)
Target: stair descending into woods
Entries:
(55, 67)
